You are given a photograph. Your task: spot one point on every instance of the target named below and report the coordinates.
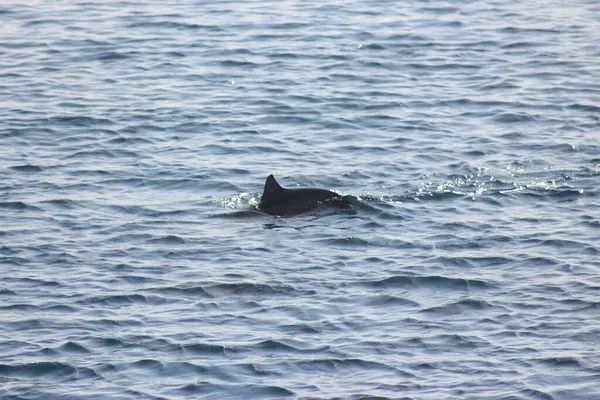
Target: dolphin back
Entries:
(283, 202)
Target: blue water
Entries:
(136, 136)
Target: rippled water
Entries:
(135, 136)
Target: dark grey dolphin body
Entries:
(286, 202)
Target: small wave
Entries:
(521, 45)
(441, 67)
(530, 393)
(135, 210)
(241, 215)
(65, 204)
(459, 307)
(505, 84)
(588, 336)
(74, 348)
(477, 262)
(16, 261)
(125, 141)
(169, 239)
(366, 148)
(237, 391)
(288, 25)
(19, 307)
(17, 206)
(584, 107)
(158, 345)
(514, 29)
(90, 172)
(591, 307)
(274, 346)
(124, 299)
(175, 25)
(78, 121)
(562, 362)
(33, 282)
(512, 118)
(129, 237)
(61, 308)
(238, 64)
(208, 349)
(441, 10)
(285, 56)
(430, 281)
(389, 300)
(446, 194)
(343, 365)
(145, 364)
(302, 329)
(410, 37)
(374, 46)
(139, 279)
(564, 194)
(109, 342)
(156, 368)
(27, 168)
(192, 291)
(349, 242)
(7, 292)
(255, 289)
(102, 153)
(562, 244)
(53, 371)
(113, 56)
(461, 341)
(106, 323)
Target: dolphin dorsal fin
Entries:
(272, 189)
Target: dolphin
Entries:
(286, 202)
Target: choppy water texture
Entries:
(134, 135)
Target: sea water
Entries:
(135, 139)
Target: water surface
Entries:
(135, 137)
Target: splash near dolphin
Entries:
(279, 201)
